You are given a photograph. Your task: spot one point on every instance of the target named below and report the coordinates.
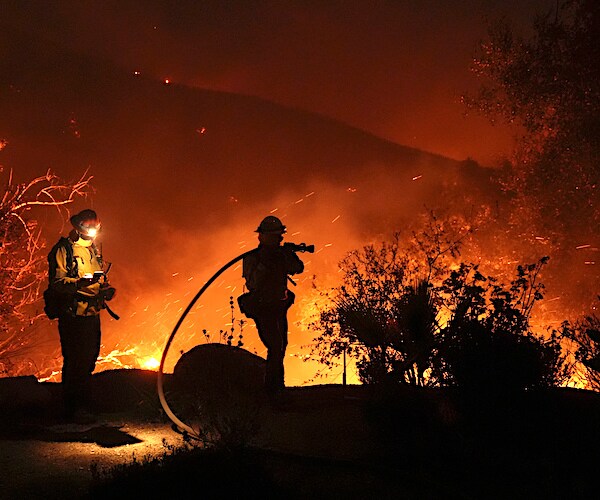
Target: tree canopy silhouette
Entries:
(549, 86)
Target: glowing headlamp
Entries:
(90, 231)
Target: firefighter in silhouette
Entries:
(266, 273)
(77, 292)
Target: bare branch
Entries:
(22, 260)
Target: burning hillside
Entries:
(182, 177)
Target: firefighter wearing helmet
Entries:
(76, 293)
(266, 273)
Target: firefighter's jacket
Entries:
(87, 298)
(267, 270)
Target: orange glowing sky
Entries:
(393, 68)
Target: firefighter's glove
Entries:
(108, 292)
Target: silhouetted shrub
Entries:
(385, 313)
(488, 342)
(456, 327)
(479, 358)
(185, 472)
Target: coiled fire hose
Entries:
(179, 425)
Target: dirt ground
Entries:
(42, 456)
(413, 442)
(57, 461)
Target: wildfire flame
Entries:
(152, 312)
(149, 363)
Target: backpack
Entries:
(55, 303)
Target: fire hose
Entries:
(182, 427)
(178, 424)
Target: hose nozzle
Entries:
(300, 247)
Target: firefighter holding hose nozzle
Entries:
(268, 299)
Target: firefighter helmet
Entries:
(270, 225)
(86, 223)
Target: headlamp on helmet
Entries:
(91, 230)
(86, 223)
